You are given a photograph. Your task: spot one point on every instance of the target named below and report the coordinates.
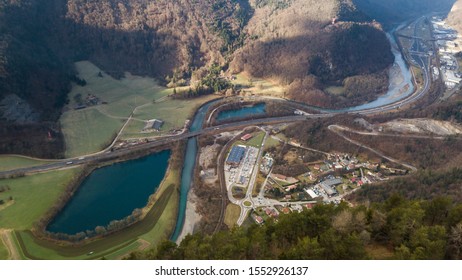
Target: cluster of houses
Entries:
(90, 100)
(266, 164)
(273, 212)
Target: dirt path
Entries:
(7, 240)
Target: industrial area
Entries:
(252, 183)
(449, 44)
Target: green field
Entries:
(271, 142)
(14, 162)
(157, 225)
(257, 140)
(3, 251)
(91, 129)
(88, 131)
(232, 215)
(32, 197)
(114, 245)
(335, 90)
(173, 112)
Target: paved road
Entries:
(107, 154)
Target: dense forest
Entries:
(422, 185)
(308, 45)
(395, 229)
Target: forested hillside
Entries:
(308, 45)
(395, 229)
(155, 38)
(305, 45)
(35, 78)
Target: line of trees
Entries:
(408, 229)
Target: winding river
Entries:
(401, 86)
(122, 187)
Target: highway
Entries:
(420, 58)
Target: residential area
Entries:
(253, 184)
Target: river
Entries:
(400, 87)
(122, 187)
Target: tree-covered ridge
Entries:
(408, 229)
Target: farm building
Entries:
(236, 155)
(246, 137)
(154, 124)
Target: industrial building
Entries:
(236, 155)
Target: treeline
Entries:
(42, 140)
(422, 153)
(422, 185)
(408, 229)
(213, 82)
(331, 56)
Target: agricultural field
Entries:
(232, 215)
(15, 162)
(88, 131)
(257, 140)
(335, 90)
(271, 142)
(157, 225)
(256, 86)
(173, 112)
(32, 197)
(3, 252)
(91, 129)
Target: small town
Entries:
(252, 184)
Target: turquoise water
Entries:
(111, 193)
(188, 169)
(256, 110)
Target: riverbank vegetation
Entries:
(407, 229)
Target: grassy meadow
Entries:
(3, 252)
(91, 129)
(157, 225)
(232, 214)
(32, 197)
(256, 86)
(8, 162)
(173, 112)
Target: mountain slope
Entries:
(295, 39)
(304, 51)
